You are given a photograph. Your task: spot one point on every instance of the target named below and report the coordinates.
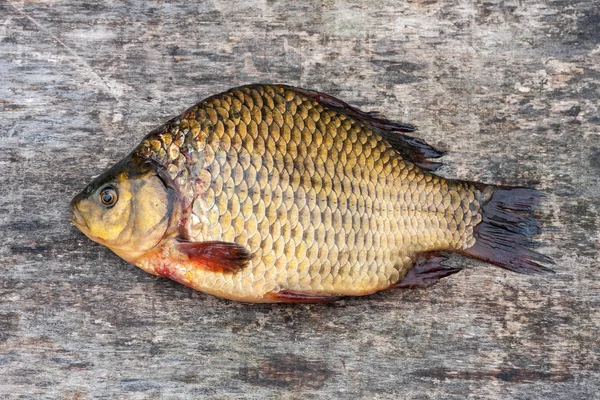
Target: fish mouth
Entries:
(76, 218)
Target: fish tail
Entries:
(503, 237)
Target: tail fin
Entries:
(503, 237)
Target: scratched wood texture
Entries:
(510, 88)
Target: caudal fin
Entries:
(503, 237)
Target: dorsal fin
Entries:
(410, 148)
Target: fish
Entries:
(273, 193)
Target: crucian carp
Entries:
(270, 193)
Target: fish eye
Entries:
(108, 196)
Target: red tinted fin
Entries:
(504, 234)
(221, 257)
(291, 296)
(427, 271)
(410, 148)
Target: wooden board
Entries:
(509, 88)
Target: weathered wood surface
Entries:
(509, 88)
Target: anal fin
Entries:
(427, 271)
(292, 296)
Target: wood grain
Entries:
(509, 88)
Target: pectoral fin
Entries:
(224, 257)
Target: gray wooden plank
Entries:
(509, 88)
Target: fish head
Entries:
(127, 209)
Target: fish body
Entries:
(269, 193)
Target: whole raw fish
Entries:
(269, 193)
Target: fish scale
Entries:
(321, 200)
